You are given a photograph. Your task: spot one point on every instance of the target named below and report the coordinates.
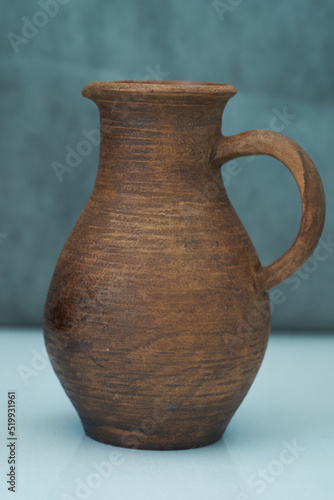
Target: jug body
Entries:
(157, 317)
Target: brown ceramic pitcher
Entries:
(157, 316)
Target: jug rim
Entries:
(94, 89)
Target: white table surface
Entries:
(290, 405)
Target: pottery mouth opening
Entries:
(105, 90)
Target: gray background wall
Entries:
(279, 55)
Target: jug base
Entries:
(138, 440)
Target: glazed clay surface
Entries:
(157, 316)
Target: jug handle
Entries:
(265, 142)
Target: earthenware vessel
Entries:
(157, 316)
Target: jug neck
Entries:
(158, 129)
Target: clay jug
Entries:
(157, 317)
